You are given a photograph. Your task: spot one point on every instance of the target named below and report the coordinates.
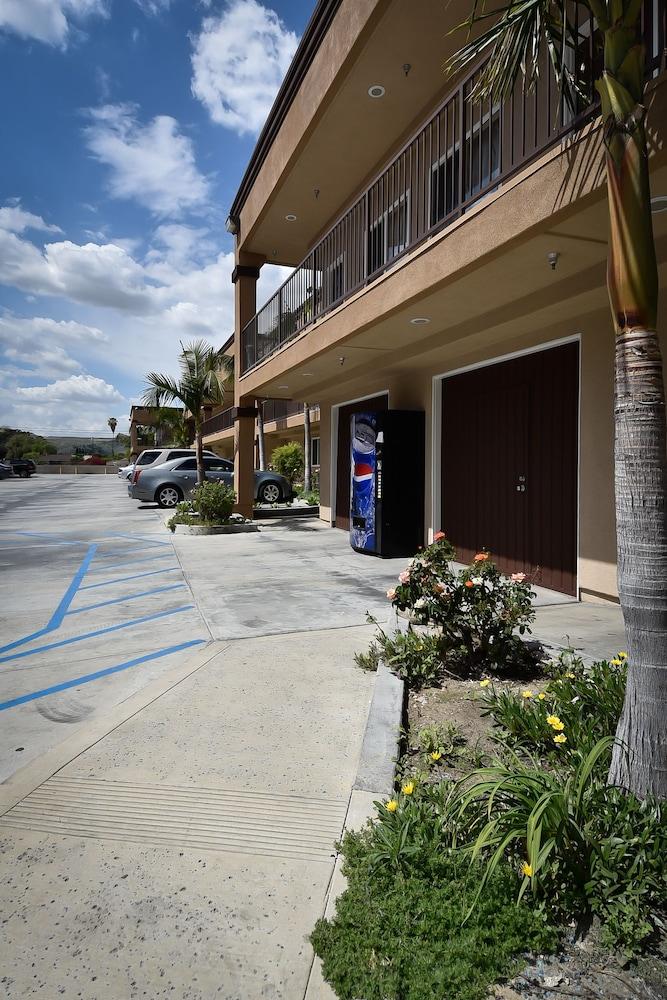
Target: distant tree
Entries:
(22, 442)
(112, 424)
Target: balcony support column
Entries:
(244, 278)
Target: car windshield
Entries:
(147, 457)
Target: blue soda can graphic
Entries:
(362, 492)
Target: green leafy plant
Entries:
(415, 657)
(477, 610)
(399, 932)
(444, 738)
(582, 846)
(214, 501)
(288, 460)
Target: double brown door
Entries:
(343, 475)
(509, 464)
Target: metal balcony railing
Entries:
(219, 422)
(464, 151)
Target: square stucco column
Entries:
(244, 277)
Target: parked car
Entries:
(6, 471)
(170, 482)
(125, 471)
(23, 467)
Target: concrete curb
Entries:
(36, 772)
(215, 529)
(266, 513)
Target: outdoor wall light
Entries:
(420, 320)
(377, 90)
(552, 257)
(341, 360)
(290, 218)
(232, 225)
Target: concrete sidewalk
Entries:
(183, 845)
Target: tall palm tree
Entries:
(261, 442)
(513, 36)
(204, 371)
(112, 423)
(307, 449)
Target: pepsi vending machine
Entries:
(387, 487)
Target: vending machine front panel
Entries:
(363, 528)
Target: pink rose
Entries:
(518, 577)
(438, 535)
(404, 577)
(391, 594)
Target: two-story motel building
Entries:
(448, 257)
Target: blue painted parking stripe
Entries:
(138, 538)
(56, 618)
(99, 631)
(129, 597)
(87, 678)
(126, 562)
(122, 579)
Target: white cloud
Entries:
(239, 60)
(153, 7)
(47, 21)
(15, 220)
(153, 164)
(75, 389)
(39, 345)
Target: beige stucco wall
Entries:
(597, 552)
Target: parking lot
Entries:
(95, 605)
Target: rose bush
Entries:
(477, 610)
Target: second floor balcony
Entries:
(464, 151)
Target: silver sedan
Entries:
(173, 481)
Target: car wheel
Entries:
(24, 474)
(168, 496)
(269, 493)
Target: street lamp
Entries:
(113, 423)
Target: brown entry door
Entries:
(509, 464)
(342, 515)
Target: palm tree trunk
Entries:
(199, 447)
(307, 473)
(260, 435)
(639, 762)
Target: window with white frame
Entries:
(389, 234)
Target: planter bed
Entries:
(215, 529)
(287, 510)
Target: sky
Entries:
(125, 129)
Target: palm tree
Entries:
(307, 465)
(171, 427)
(112, 423)
(204, 371)
(261, 444)
(520, 30)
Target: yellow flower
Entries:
(561, 738)
(436, 755)
(558, 726)
(391, 806)
(622, 656)
(526, 694)
(485, 683)
(616, 662)
(541, 696)
(408, 788)
(526, 869)
(570, 677)
(553, 720)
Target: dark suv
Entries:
(23, 467)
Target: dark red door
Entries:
(342, 513)
(509, 464)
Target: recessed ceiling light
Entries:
(307, 374)
(659, 204)
(377, 90)
(290, 218)
(420, 320)
(283, 387)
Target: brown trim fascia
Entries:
(307, 49)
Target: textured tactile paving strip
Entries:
(215, 819)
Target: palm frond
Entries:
(521, 31)
(161, 389)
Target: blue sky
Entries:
(125, 127)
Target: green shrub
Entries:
(288, 460)
(416, 658)
(399, 932)
(214, 501)
(477, 610)
(311, 497)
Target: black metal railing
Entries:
(464, 151)
(219, 422)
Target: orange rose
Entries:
(438, 535)
(469, 583)
(481, 557)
